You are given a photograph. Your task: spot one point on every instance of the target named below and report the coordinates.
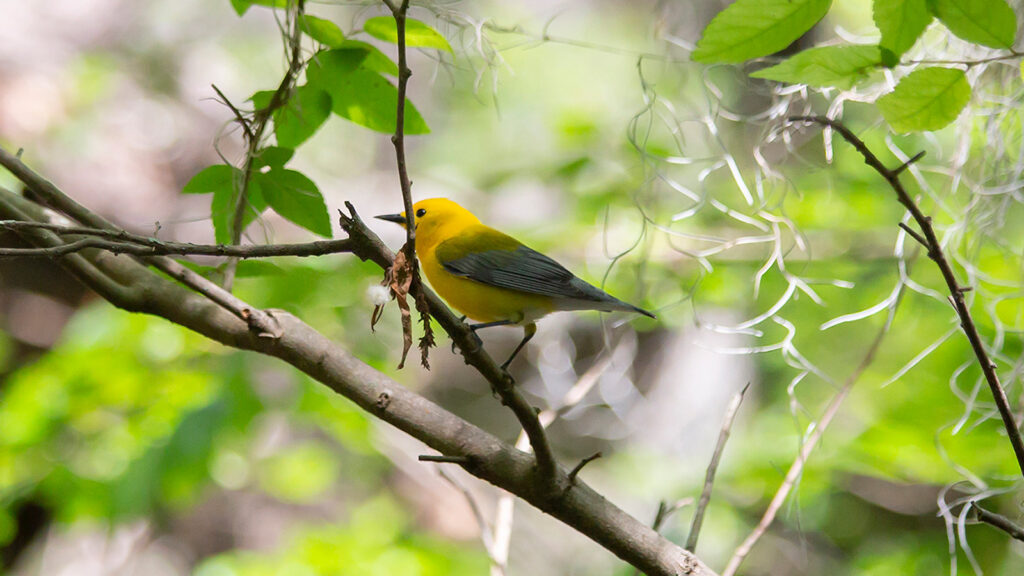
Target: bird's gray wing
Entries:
(522, 269)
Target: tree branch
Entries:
(709, 478)
(259, 321)
(956, 291)
(254, 132)
(367, 246)
(999, 521)
(490, 459)
(500, 381)
(123, 242)
(797, 467)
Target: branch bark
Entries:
(124, 242)
(935, 252)
(500, 381)
(126, 282)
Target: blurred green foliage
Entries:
(129, 417)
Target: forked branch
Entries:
(935, 252)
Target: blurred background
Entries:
(131, 446)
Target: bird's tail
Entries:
(596, 299)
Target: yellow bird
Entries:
(493, 278)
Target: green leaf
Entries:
(257, 268)
(273, 156)
(901, 22)
(262, 98)
(416, 33)
(242, 6)
(839, 66)
(323, 31)
(753, 28)
(301, 116)
(222, 210)
(375, 59)
(368, 99)
(330, 67)
(990, 23)
(295, 197)
(926, 99)
(212, 179)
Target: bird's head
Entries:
(436, 219)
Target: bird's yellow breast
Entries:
(479, 301)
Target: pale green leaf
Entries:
(273, 156)
(242, 6)
(368, 99)
(987, 22)
(295, 197)
(753, 28)
(416, 33)
(213, 178)
(323, 31)
(223, 205)
(838, 66)
(901, 22)
(926, 99)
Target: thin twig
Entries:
(709, 478)
(576, 469)
(796, 468)
(258, 320)
(254, 131)
(913, 234)
(123, 242)
(999, 521)
(367, 246)
(956, 291)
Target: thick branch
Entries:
(956, 291)
(299, 345)
(259, 321)
(123, 242)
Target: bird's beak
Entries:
(396, 218)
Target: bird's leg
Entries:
(528, 331)
(474, 327)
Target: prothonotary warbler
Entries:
(493, 278)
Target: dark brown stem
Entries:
(576, 469)
(254, 133)
(367, 246)
(123, 242)
(999, 521)
(956, 291)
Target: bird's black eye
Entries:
(420, 213)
